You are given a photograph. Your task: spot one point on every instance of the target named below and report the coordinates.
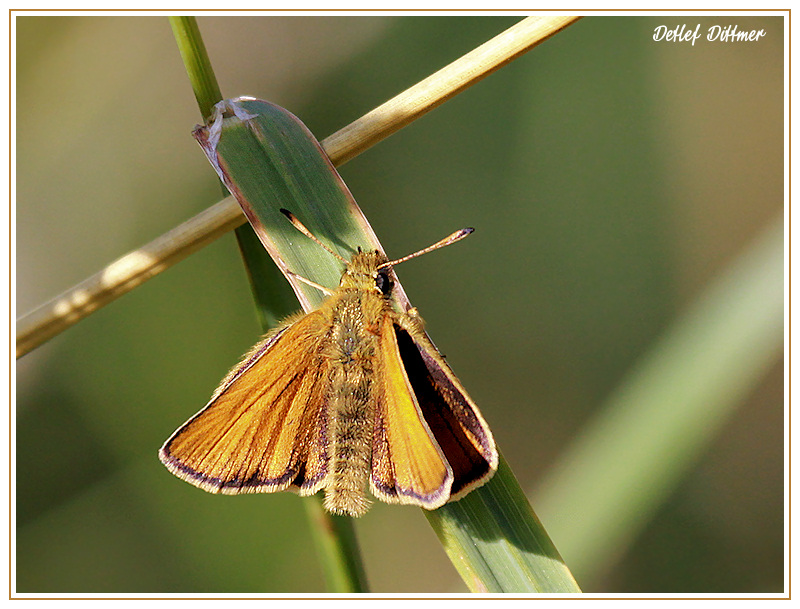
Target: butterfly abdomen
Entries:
(352, 349)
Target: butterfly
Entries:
(350, 396)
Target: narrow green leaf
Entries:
(273, 299)
(334, 537)
(198, 65)
(269, 160)
(497, 543)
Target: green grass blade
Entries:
(651, 430)
(497, 543)
(335, 538)
(198, 65)
(269, 160)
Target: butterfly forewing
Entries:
(262, 430)
(454, 420)
(407, 465)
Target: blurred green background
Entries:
(610, 178)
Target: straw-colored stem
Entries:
(125, 273)
(440, 86)
(134, 268)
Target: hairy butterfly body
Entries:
(349, 397)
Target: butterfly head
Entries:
(372, 270)
(368, 271)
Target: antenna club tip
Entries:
(286, 213)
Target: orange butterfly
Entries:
(351, 395)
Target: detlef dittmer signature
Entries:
(716, 33)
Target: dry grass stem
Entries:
(136, 267)
(125, 273)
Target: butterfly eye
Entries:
(383, 283)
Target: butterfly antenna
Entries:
(456, 236)
(299, 226)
